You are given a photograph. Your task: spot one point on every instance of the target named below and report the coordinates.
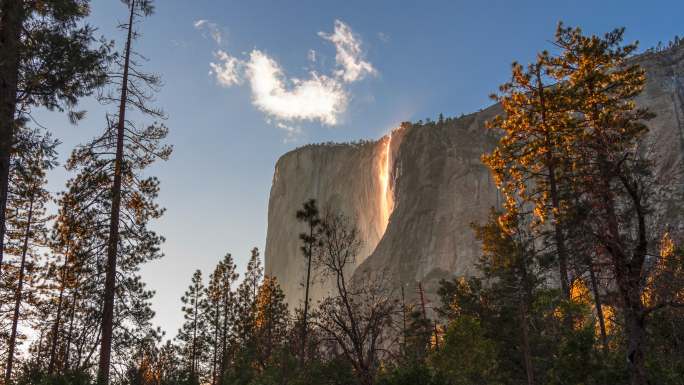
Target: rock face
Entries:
(341, 177)
(414, 193)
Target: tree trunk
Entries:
(11, 21)
(628, 271)
(559, 237)
(112, 246)
(58, 318)
(18, 294)
(306, 297)
(194, 340)
(39, 351)
(216, 345)
(599, 308)
(224, 336)
(636, 336)
(70, 333)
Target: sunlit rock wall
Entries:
(346, 178)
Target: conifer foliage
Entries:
(50, 59)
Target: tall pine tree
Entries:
(27, 231)
(48, 60)
(193, 334)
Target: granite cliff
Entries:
(414, 192)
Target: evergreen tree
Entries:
(244, 360)
(509, 259)
(271, 320)
(27, 231)
(47, 60)
(72, 284)
(90, 194)
(530, 161)
(221, 313)
(615, 179)
(309, 215)
(133, 148)
(247, 300)
(193, 334)
(61, 283)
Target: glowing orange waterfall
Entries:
(387, 196)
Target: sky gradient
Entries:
(421, 59)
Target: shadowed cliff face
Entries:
(437, 187)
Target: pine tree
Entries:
(133, 148)
(614, 177)
(309, 215)
(48, 61)
(530, 161)
(509, 261)
(244, 352)
(271, 320)
(247, 300)
(193, 334)
(220, 313)
(27, 201)
(72, 283)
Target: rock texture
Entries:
(431, 179)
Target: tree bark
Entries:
(559, 237)
(224, 332)
(599, 308)
(18, 295)
(194, 337)
(70, 333)
(112, 246)
(306, 297)
(216, 344)
(58, 318)
(11, 21)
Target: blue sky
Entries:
(424, 58)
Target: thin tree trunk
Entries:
(628, 272)
(39, 352)
(58, 317)
(67, 353)
(224, 337)
(216, 345)
(112, 246)
(17, 300)
(599, 308)
(11, 20)
(559, 237)
(194, 339)
(306, 298)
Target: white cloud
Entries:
(292, 133)
(349, 56)
(227, 69)
(318, 98)
(212, 28)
